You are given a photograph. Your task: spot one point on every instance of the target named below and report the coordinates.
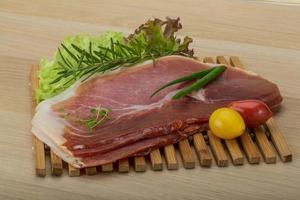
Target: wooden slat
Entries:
(215, 142)
(202, 150)
(264, 145)
(34, 81)
(186, 154)
(250, 148)
(40, 163)
(235, 152)
(206, 158)
(123, 165)
(218, 150)
(139, 164)
(232, 145)
(170, 155)
(91, 171)
(235, 61)
(107, 167)
(156, 160)
(279, 142)
(73, 171)
(56, 164)
(208, 60)
(221, 60)
(247, 143)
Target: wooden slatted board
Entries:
(265, 140)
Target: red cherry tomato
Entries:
(254, 112)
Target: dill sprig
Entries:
(98, 116)
(151, 40)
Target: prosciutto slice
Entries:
(137, 123)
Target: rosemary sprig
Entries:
(151, 40)
(99, 61)
(99, 115)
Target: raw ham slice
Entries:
(137, 123)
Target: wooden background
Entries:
(265, 34)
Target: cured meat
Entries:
(137, 123)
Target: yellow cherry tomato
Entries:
(226, 123)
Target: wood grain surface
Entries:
(266, 36)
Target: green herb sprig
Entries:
(99, 115)
(202, 78)
(151, 40)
